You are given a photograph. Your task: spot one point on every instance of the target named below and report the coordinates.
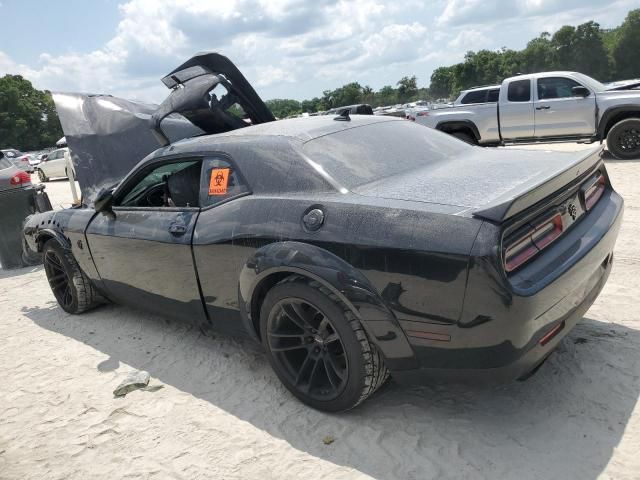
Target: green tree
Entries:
(283, 107)
(627, 49)
(28, 119)
(407, 88)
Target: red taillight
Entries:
(531, 241)
(20, 178)
(594, 191)
(25, 159)
(422, 114)
(547, 231)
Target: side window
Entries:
(4, 163)
(493, 96)
(477, 96)
(221, 180)
(174, 184)
(556, 87)
(519, 91)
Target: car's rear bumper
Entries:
(519, 328)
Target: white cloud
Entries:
(297, 48)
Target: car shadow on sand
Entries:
(564, 422)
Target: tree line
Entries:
(604, 54)
(28, 120)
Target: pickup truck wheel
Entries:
(623, 140)
(317, 347)
(42, 177)
(71, 287)
(465, 137)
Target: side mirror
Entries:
(580, 91)
(104, 202)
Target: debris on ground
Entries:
(328, 440)
(134, 381)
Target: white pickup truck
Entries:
(546, 107)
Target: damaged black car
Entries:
(353, 247)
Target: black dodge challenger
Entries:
(352, 247)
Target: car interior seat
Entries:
(184, 186)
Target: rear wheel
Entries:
(71, 287)
(465, 137)
(317, 347)
(623, 140)
(42, 177)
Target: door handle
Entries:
(177, 229)
(544, 107)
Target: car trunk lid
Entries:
(491, 184)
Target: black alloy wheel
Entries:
(623, 140)
(308, 348)
(317, 346)
(71, 287)
(59, 280)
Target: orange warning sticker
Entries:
(219, 181)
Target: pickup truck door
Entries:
(516, 110)
(558, 112)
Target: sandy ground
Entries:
(222, 414)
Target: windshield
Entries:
(365, 154)
(591, 83)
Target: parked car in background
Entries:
(54, 165)
(359, 109)
(548, 106)
(352, 248)
(11, 177)
(19, 159)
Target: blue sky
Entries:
(286, 48)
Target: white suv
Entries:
(55, 165)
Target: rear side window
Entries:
(4, 163)
(220, 181)
(556, 87)
(477, 96)
(519, 91)
(493, 95)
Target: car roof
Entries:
(301, 129)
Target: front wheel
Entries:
(71, 287)
(317, 347)
(42, 177)
(623, 140)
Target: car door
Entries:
(143, 251)
(219, 260)
(516, 110)
(559, 112)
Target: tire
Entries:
(29, 257)
(317, 347)
(71, 287)
(42, 176)
(465, 137)
(623, 140)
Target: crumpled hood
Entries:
(108, 136)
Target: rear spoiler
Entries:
(515, 202)
(192, 84)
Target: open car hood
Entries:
(108, 136)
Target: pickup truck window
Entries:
(477, 96)
(555, 87)
(519, 91)
(493, 95)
